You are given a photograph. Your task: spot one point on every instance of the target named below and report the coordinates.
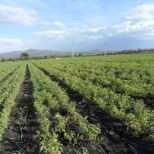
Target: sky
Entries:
(83, 24)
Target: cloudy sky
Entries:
(87, 24)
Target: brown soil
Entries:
(148, 101)
(116, 139)
(6, 77)
(21, 132)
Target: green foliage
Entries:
(118, 85)
(110, 82)
(81, 55)
(25, 55)
(9, 91)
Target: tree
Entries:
(81, 55)
(2, 60)
(25, 55)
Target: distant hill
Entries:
(41, 53)
(34, 52)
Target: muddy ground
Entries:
(21, 133)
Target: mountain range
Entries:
(41, 53)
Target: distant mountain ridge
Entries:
(41, 53)
(34, 53)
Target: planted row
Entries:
(7, 69)
(52, 98)
(132, 112)
(9, 91)
(131, 79)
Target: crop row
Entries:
(9, 90)
(131, 79)
(7, 69)
(49, 101)
(132, 113)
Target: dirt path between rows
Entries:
(116, 139)
(7, 76)
(20, 136)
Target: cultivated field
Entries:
(82, 105)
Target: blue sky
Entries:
(89, 24)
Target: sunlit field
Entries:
(87, 105)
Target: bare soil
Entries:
(21, 132)
(6, 77)
(116, 138)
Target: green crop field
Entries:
(80, 105)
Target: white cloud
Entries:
(95, 29)
(51, 33)
(92, 33)
(59, 24)
(141, 12)
(110, 34)
(95, 37)
(45, 23)
(15, 15)
(10, 41)
(138, 23)
(146, 7)
(139, 16)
